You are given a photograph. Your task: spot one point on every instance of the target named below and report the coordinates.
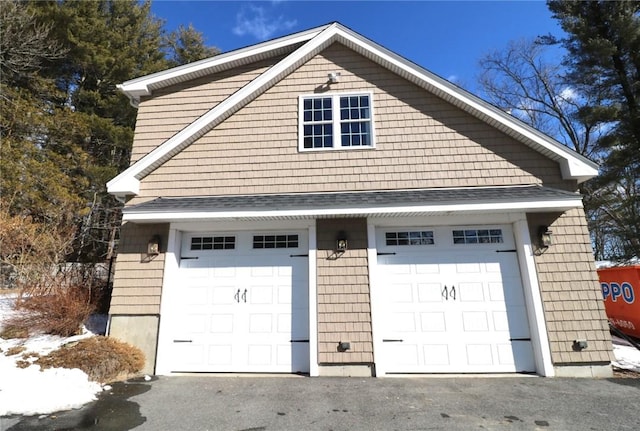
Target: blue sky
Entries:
(447, 38)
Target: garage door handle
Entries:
(183, 341)
(237, 296)
(446, 293)
(392, 341)
(244, 295)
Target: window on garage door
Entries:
(213, 243)
(275, 241)
(477, 236)
(409, 237)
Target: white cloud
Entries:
(257, 22)
(452, 78)
(569, 94)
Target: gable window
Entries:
(338, 121)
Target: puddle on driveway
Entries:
(111, 412)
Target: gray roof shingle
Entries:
(355, 200)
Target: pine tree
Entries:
(66, 129)
(603, 58)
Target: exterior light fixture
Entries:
(341, 242)
(153, 246)
(334, 77)
(544, 236)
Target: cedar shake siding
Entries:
(570, 290)
(421, 142)
(171, 109)
(137, 284)
(344, 312)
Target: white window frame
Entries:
(336, 122)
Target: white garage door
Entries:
(452, 301)
(243, 303)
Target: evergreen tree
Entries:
(66, 129)
(603, 58)
(186, 45)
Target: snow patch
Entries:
(30, 391)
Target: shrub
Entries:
(103, 359)
(61, 312)
(8, 332)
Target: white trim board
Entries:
(446, 209)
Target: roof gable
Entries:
(304, 46)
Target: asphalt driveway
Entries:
(205, 402)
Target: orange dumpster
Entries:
(620, 289)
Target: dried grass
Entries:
(103, 359)
(10, 332)
(15, 350)
(61, 312)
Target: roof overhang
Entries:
(400, 203)
(145, 85)
(304, 46)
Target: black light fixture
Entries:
(544, 236)
(153, 246)
(341, 242)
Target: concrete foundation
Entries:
(345, 370)
(140, 331)
(588, 371)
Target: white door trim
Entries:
(372, 255)
(171, 266)
(533, 298)
(313, 303)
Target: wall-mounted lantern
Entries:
(341, 242)
(544, 237)
(153, 246)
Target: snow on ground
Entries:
(627, 356)
(29, 391)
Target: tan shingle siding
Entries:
(344, 311)
(421, 141)
(137, 284)
(571, 291)
(170, 109)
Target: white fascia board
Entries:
(123, 185)
(574, 166)
(575, 170)
(137, 87)
(220, 111)
(555, 205)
